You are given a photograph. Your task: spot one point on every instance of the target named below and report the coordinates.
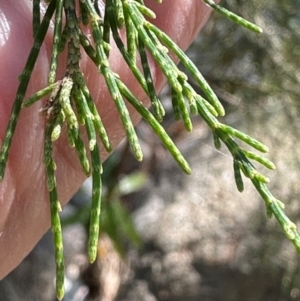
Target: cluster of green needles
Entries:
(69, 102)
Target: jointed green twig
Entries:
(159, 130)
(56, 41)
(55, 208)
(190, 66)
(157, 105)
(233, 17)
(96, 205)
(112, 86)
(36, 17)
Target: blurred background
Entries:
(171, 237)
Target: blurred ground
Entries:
(202, 239)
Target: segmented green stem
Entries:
(106, 23)
(82, 106)
(166, 59)
(158, 53)
(55, 208)
(246, 138)
(217, 141)
(96, 174)
(224, 133)
(276, 207)
(96, 205)
(233, 17)
(76, 139)
(88, 48)
(84, 13)
(57, 126)
(71, 140)
(96, 117)
(63, 40)
(56, 41)
(184, 112)
(131, 36)
(36, 17)
(123, 112)
(118, 7)
(159, 130)
(65, 102)
(264, 161)
(144, 9)
(191, 95)
(74, 39)
(238, 176)
(40, 94)
(113, 88)
(127, 57)
(245, 165)
(190, 66)
(58, 243)
(156, 103)
(205, 113)
(24, 78)
(175, 105)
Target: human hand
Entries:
(24, 204)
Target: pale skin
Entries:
(24, 203)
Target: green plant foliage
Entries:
(71, 104)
